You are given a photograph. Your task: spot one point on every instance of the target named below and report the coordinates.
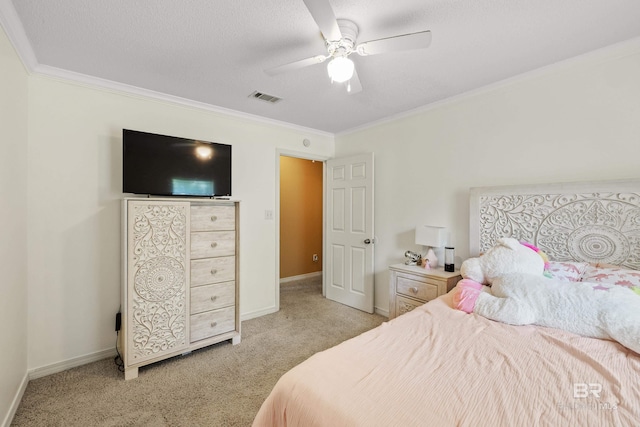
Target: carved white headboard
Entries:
(592, 222)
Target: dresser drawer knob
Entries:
(414, 290)
(214, 218)
(214, 271)
(213, 298)
(214, 244)
(214, 324)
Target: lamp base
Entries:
(431, 258)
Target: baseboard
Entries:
(54, 368)
(16, 401)
(300, 277)
(381, 311)
(258, 313)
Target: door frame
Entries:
(305, 156)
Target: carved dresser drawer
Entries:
(411, 286)
(208, 244)
(211, 297)
(212, 270)
(212, 218)
(212, 323)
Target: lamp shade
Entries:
(428, 235)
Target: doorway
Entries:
(301, 220)
(351, 218)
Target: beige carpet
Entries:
(222, 385)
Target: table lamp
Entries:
(433, 237)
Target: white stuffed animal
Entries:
(520, 295)
(506, 256)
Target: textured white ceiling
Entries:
(214, 51)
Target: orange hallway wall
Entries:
(300, 216)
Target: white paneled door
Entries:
(350, 238)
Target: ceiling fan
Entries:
(340, 39)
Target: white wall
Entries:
(75, 146)
(13, 213)
(575, 121)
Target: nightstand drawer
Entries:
(411, 286)
(420, 289)
(405, 305)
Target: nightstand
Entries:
(411, 286)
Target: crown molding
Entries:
(15, 32)
(604, 54)
(10, 21)
(122, 88)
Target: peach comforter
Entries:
(437, 366)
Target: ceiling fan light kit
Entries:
(340, 69)
(340, 39)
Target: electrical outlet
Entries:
(315, 258)
(268, 214)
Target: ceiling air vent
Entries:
(264, 97)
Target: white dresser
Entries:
(180, 275)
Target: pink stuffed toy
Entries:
(466, 294)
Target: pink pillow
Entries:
(613, 275)
(567, 270)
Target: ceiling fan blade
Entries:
(322, 13)
(296, 65)
(411, 41)
(354, 85)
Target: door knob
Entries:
(367, 241)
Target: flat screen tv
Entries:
(170, 166)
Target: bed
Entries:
(439, 366)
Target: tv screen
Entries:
(171, 166)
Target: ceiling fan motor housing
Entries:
(349, 30)
(345, 45)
